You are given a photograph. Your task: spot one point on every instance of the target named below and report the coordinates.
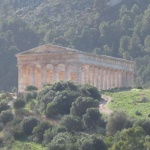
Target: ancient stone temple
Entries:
(51, 63)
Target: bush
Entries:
(31, 88)
(117, 121)
(28, 125)
(138, 113)
(80, 106)
(30, 95)
(92, 118)
(19, 103)
(145, 124)
(6, 116)
(4, 106)
(39, 130)
(90, 91)
(72, 123)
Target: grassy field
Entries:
(129, 102)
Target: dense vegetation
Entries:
(64, 116)
(88, 25)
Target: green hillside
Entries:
(66, 116)
(135, 103)
(88, 25)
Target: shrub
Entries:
(31, 88)
(138, 113)
(80, 106)
(72, 123)
(117, 121)
(4, 106)
(92, 118)
(6, 116)
(39, 130)
(19, 103)
(28, 125)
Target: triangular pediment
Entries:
(45, 49)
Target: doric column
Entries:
(116, 78)
(111, 78)
(108, 81)
(120, 78)
(79, 74)
(104, 79)
(43, 74)
(128, 79)
(132, 79)
(67, 72)
(32, 75)
(95, 76)
(91, 70)
(83, 74)
(20, 79)
(55, 75)
(87, 73)
(100, 78)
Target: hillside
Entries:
(87, 25)
(135, 102)
(64, 116)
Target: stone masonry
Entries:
(51, 63)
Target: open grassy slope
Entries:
(130, 102)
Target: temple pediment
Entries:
(45, 49)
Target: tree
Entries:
(92, 118)
(19, 103)
(147, 44)
(72, 123)
(6, 116)
(132, 138)
(3, 106)
(124, 44)
(93, 143)
(28, 125)
(116, 122)
(31, 88)
(90, 91)
(80, 106)
(62, 141)
(39, 130)
(145, 124)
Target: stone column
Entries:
(55, 75)
(108, 81)
(20, 79)
(128, 79)
(96, 81)
(91, 72)
(83, 74)
(112, 78)
(132, 79)
(32, 76)
(87, 74)
(43, 74)
(116, 78)
(104, 79)
(67, 72)
(120, 78)
(79, 74)
(100, 78)
(95, 76)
